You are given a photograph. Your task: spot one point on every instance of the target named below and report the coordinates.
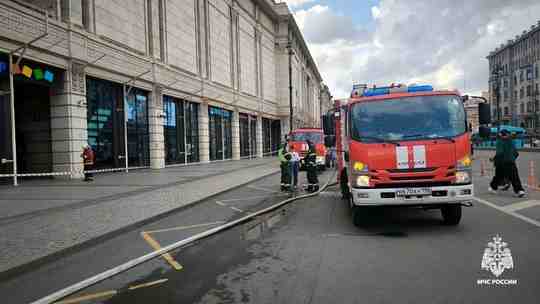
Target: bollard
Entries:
(531, 180)
(482, 167)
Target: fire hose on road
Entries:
(133, 263)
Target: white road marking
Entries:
(236, 209)
(221, 204)
(263, 189)
(231, 207)
(521, 205)
(514, 214)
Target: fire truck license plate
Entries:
(413, 191)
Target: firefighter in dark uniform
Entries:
(311, 168)
(284, 159)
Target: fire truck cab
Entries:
(298, 143)
(402, 146)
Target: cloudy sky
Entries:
(441, 42)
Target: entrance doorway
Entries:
(33, 127)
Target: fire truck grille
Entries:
(412, 185)
(411, 170)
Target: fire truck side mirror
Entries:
(329, 140)
(484, 113)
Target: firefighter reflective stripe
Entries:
(419, 154)
(402, 157)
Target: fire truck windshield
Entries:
(314, 137)
(408, 118)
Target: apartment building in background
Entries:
(150, 83)
(517, 62)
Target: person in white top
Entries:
(295, 167)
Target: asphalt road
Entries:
(308, 252)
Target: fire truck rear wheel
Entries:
(451, 214)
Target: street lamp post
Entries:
(496, 75)
(290, 52)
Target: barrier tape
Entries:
(67, 173)
(81, 172)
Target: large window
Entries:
(219, 125)
(137, 128)
(105, 122)
(267, 135)
(192, 131)
(276, 135)
(248, 128)
(180, 131)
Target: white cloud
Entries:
(375, 12)
(319, 24)
(440, 42)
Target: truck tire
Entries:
(451, 214)
(344, 185)
(357, 216)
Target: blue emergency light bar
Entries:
(388, 90)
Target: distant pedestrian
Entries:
(311, 168)
(89, 158)
(505, 165)
(332, 157)
(284, 163)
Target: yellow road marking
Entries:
(108, 293)
(148, 284)
(94, 296)
(156, 246)
(185, 227)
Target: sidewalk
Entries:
(44, 217)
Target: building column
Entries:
(68, 121)
(284, 123)
(155, 129)
(204, 137)
(235, 125)
(259, 136)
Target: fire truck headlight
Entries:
(463, 177)
(362, 181)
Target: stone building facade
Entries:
(518, 78)
(150, 83)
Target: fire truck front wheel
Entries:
(344, 185)
(451, 214)
(359, 215)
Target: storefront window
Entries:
(267, 135)
(137, 128)
(276, 135)
(181, 131)
(248, 142)
(105, 122)
(220, 133)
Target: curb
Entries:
(41, 261)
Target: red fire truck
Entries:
(298, 142)
(402, 146)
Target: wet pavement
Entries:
(307, 252)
